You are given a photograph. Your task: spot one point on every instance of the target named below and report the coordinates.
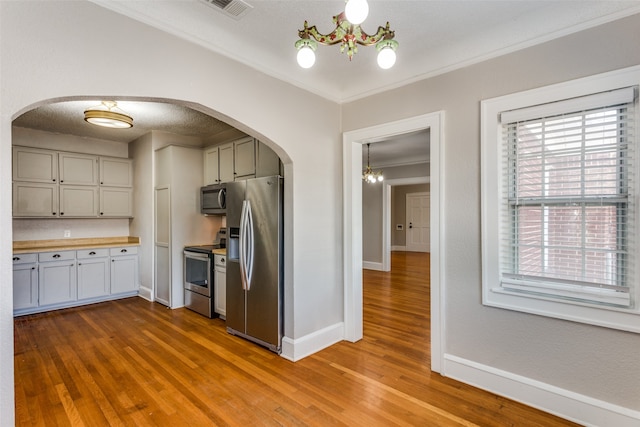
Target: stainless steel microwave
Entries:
(213, 199)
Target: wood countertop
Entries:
(221, 251)
(30, 246)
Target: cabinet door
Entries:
(116, 202)
(226, 162)
(35, 200)
(245, 158)
(93, 277)
(124, 274)
(220, 291)
(57, 282)
(267, 161)
(78, 201)
(34, 165)
(211, 166)
(78, 169)
(25, 286)
(116, 172)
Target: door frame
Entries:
(352, 224)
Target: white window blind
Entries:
(568, 214)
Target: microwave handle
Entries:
(221, 197)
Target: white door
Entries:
(418, 223)
(162, 286)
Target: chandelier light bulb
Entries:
(306, 57)
(386, 58)
(380, 178)
(356, 11)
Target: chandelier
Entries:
(108, 114)
(349, 34)
(368, 175)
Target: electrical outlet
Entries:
(67, 233)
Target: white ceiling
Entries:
(434, 37)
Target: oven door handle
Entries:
(196, 255)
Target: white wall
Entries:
(572, 359)
(57, 50)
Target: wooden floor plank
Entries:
(135, 363)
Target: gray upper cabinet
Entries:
(211, 166)
(267, 161)
(116, 172)
(35, 165)
(237, 160)
(226, 159)
(52, 184)
(244, 151)
(33, 199)
(78, 201)
(78, 169)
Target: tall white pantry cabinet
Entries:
(178, 221)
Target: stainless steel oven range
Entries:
(198, 279)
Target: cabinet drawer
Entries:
(220, 260)
(56, 256)
(129, 250)
(24, 258)
(92, 253)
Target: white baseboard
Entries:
(302, 347)
(367, 265)
(145, 293)
(398, 248)
(572, 406)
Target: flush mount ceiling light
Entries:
(108, 114)
(368, 175)
(349, 34)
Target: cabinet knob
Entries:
(16, 258)
(61, 181)
(56, 256)
(33, 268)
(61, 213)
(123, 250)
(54, 180)
(101, 213)
(53, 213)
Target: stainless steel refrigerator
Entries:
(254, 260)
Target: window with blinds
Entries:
(568, 211)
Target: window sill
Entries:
(611, 317)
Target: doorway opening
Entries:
(352, 192)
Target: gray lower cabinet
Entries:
(220, 285)
(50, 280)
(124, 269)
(93, 273)
(57, 277)
(25, 281)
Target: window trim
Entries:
(493, 294)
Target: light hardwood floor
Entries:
(136, 363)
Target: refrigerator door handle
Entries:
(250, 246)
(242, 246)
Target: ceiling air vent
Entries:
(233, 8)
